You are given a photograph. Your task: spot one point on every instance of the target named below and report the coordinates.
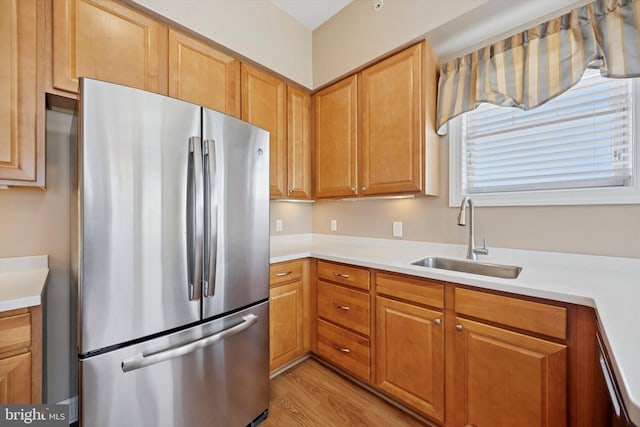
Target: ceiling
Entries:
(311, 13)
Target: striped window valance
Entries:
(539, 64)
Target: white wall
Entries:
(608, 230)
(36, 222)
(256, 29)
(358, 34)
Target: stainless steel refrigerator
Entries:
(173, 262)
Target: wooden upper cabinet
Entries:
(336, 160)
(390, 124)
(375, 131)
(298, 144)
(263, 104)
(504, 378)
(200, 74)
(108, 41)
(22, 148)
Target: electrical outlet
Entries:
(334, 225)
(397, 229)
(278, 225)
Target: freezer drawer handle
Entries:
(140, 360)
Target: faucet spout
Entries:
(472, 251)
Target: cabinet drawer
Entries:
(15, 332)
(344, 349)
(285, 272)
(348, 307)
(347, 275)
(531, 316)
(415, 290)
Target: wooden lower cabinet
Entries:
(506, 379)
(410, 355)
(21, 356)
(288, 312)
(345, 349)
(457, 355)
(15, 379)
(286, 307)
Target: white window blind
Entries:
(583, 138)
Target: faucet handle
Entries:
(483, 250)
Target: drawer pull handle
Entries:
(341, 307)
(437, 321)
(286, 273)
(342, 349)
(342, 275)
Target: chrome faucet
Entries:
(472, 251)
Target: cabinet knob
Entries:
(437, 321)
(458, 327)
(364, 188)
(353, 189)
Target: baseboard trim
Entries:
(289, 365)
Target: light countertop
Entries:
(608, 284)
(22, 281)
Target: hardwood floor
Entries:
(310, 394)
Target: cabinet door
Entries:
(298, 144)
(286, 325)
(335, 140)
(410, 355)
(263, 104)
(21, 95)
(506, 379)
(108, 41)
(202, 75)
(15, 379)
(390, 133)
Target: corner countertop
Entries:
(610, 285)
(22, 281)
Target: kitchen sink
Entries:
(473, 267)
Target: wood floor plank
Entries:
(310, 395)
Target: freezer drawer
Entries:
(215, 374)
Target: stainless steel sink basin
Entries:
(473, 267)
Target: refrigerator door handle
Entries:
(211, 217)
(194, 251)
(141, 360)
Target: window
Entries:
(578, 148)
